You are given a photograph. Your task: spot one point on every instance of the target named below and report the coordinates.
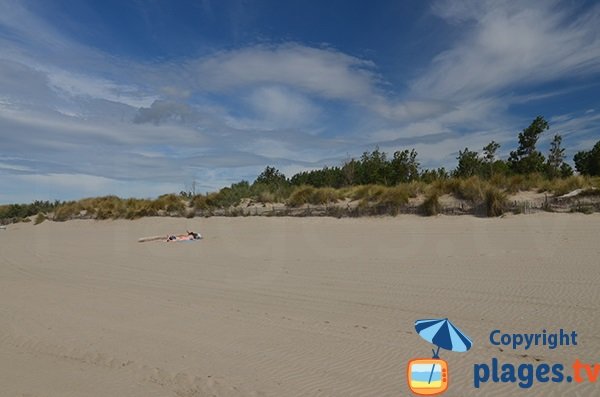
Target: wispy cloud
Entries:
(321, 71)
(511, 45)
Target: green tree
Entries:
(526, 159)
(429, 176)
(588, 162)
(566, 170)
(326, 177)
(555, 165)
(490, 165)
(469, 164)
(404, 167)
(271, 177)
(489, 152)
(374, 168)
(350, 172)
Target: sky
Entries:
(140, 98)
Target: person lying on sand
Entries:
(188, 236)
(195, 236)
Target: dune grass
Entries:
(495, 202)
(39, 218)
(490, 194)
(431, 206)
(309, 195)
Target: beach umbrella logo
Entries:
(429, 376)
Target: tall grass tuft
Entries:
(199, 202)
(495, 202)
(171, 203)
(266, 196)
(431, 206)
(324, 195)
(367, 192)
(306, 194)
(563, 186)
(471, 189)
(66, 211)
(414, 188)
(517, 183)
(301, 195)
(392, 199)
(39, 218)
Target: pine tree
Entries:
(526, 159)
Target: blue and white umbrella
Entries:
(442, 333)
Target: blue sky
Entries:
(140, 98)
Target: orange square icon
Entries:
(427, 376)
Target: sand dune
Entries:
(286, 306)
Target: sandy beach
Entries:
(287, 306)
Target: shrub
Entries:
(588, 162)
(270, 194)
(16, 212)
(367, 192)
(324, 195)
(133, 209)
(467, 189)
(471, 189)
(39, 218)
(499, 180)
(563, 186)
(392, 199)
(170, 203)
(414, 188)
(105, 207)
(495, 202)
(516, 183)
(66, 211)
(307, 194)
(431, 205)
(200, 202)
(301, 195)
(266, 197)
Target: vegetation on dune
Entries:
(16, 212)
(375, 182)
(588, 162)
(495, 202)
(309, 195)
(431, 206)
(39, 218)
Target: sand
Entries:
(287, 306)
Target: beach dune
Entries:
(287, 306)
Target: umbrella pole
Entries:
(435, 355)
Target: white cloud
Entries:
(410, 109)
(76, 85)
(510, 45)
(324, 72)
(279, 107)
(37, 128)
(574, 125)
(13, 167)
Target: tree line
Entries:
(377, 168)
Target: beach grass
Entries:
(492, 194)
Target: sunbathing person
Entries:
(188, 236)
